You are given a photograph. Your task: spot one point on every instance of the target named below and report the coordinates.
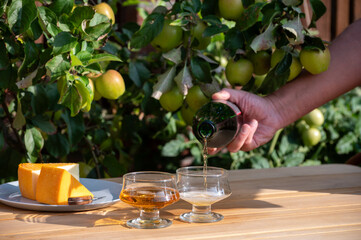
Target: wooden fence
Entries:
(339, 14)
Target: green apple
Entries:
(171, 100)
(315, 61)
(239, 72)
(110, 85)
(170, 37)
(230, 9)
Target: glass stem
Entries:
(201, 209)
(149, 215)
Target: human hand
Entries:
(260, 119)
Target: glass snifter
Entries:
(202, 187)
(149, 192)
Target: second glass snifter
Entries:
(202, 187)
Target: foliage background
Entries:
(132, 133)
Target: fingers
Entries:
(249, 144)
(231, 95)
(221, 95)
(244, 139)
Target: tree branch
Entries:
(8, 115)
(94, 156)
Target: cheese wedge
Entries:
(56, 185)
(28, 174)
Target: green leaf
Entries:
(57, 145)
(294, 159)
(165, 82)
(84, 56)
(270, 11)
(318, 9)
(3, 4)
(265, 40)
(21, 14)
(64, 24)
(129, 29)
(233, 40)
(75, 127)
(72, 99)
(346, 144)
(209, 7)
(30, 60)
(201, 70)
(173, 148)
(196, 153)
(295, 27)
(358, 126)
(150, 28)
(34, 142)
(138, 73)
(35, 30)
(19, 120)
(251, 15)
(169, 130)
(278, 76)
(113, 166)
(313, 43)
(48, 21)
(292, 2)
(184, 80)
(44, 124)
(13, 46)
(39, 100)
(63, 42)
(4, 58)
(174, 55)
(195, 5)
(75, 61)
(98, 27)
(8, 78)
(103, 57)
(62, 6)
(286, 145)
(58, 66)
(215, 29)
(311, 162)
(80, 14)
(333, 134)
(258, 162)
(85, 93)
(212, 20)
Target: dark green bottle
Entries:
(217, 122)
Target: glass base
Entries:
(149, 224)
(201, 217)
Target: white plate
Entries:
(105, 194)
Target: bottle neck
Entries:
(206, 129)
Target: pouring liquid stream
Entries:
(205, 164)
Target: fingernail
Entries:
(244, 129)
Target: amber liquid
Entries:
(149, 197)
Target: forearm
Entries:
(307, 92)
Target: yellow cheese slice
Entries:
(56, 185)
(28, 174)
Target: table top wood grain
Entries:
(314, 202)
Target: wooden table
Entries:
(321, 202)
